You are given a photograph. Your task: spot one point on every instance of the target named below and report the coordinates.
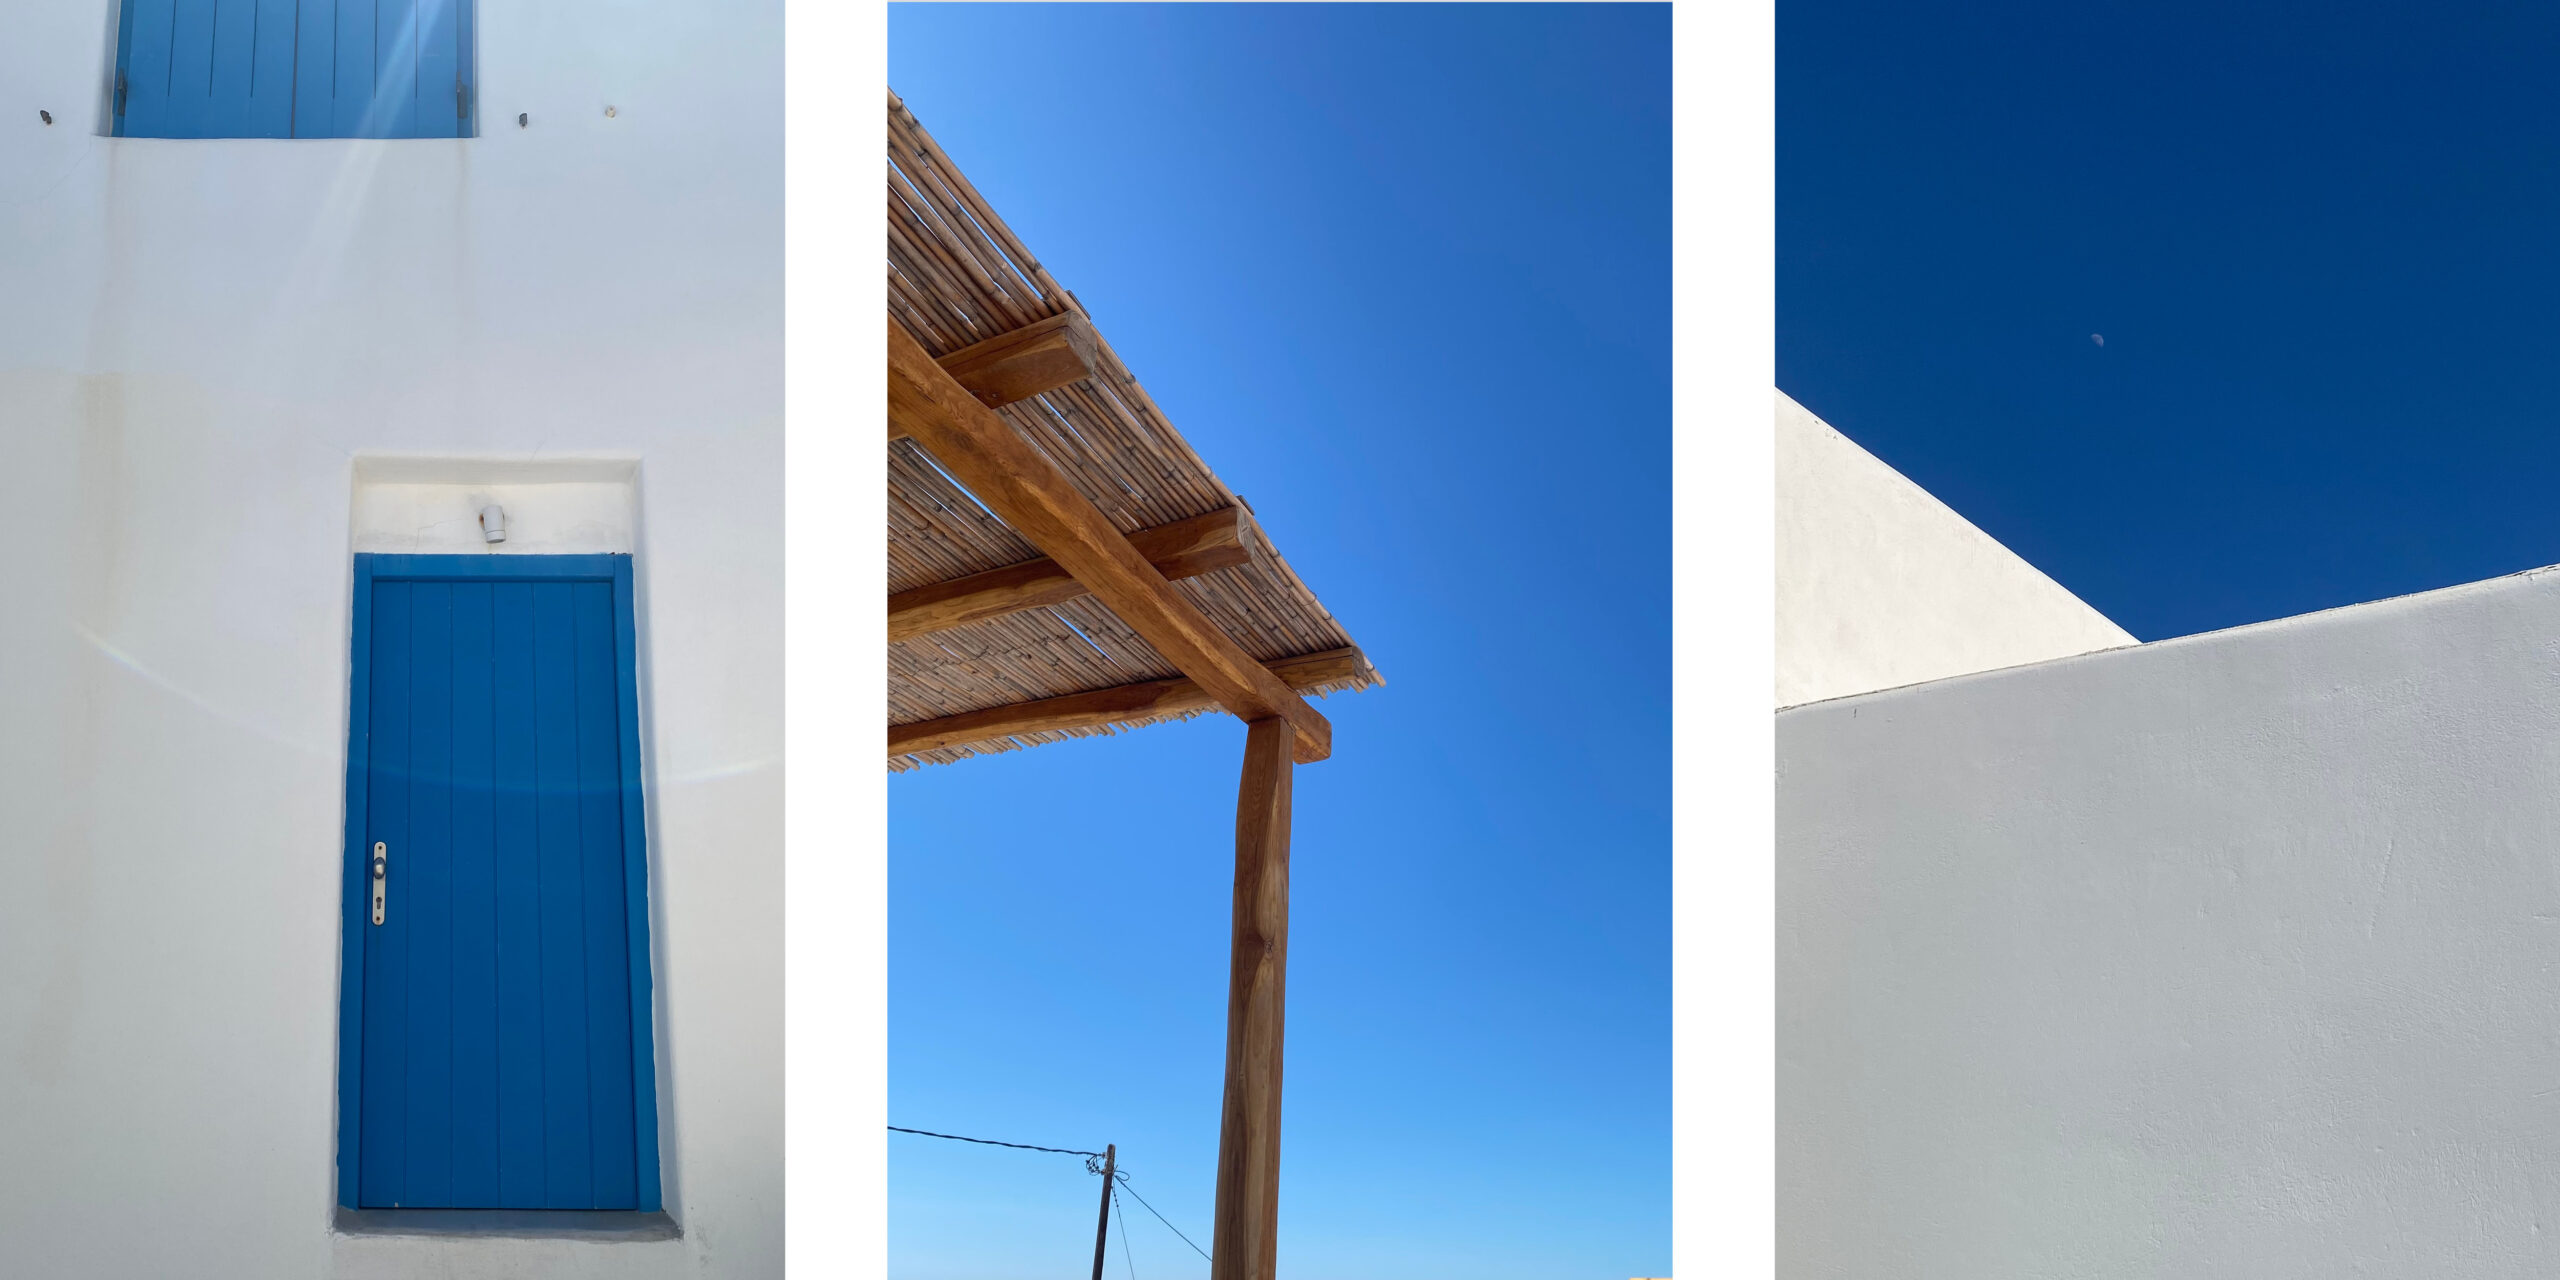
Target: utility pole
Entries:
(1102, 1233)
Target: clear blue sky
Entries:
(2322, 242)
(1402, 275)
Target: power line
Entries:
(1018, 1146)
(1125, 1256)
(1089, 1167)
(1204, 1254)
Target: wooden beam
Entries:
(1026, 490)
(1107, 706)
(1182, 549)
(1245, 1214)
(1043, 355)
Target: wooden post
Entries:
(1102, 1233)
(1246, 1216)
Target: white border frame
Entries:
(835, 520)
(1724, 580)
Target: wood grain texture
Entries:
(1183, 549)
(1018, 364)
(957, 276)
(1245, 1214)
(1165, 698)
(1027, 490)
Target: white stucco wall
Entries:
(551, 506)
(1880, 584)
(2229, 956)
(199, 341)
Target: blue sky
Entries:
(1402, 275)
(2319, 240)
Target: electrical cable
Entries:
(1142, 1200)
(1121, 1180)
(1019, 1146)
(1125, 1256)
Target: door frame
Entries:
(356, 871)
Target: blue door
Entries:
(495, 1031)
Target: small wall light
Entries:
(493, 523)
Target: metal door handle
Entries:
(381, 866)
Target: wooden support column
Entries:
(1246, 1215)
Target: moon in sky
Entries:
(2099, 338)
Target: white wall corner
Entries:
(1881, 585)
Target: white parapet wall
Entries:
(225, 367)
(1880, 584)
(2231, 956)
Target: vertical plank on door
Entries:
(425, 897)
(356, 888)
(608, 954)
(385, 977)
(475, 923)
(521, 1139)
(568, 1154)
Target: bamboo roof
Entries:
(959, 276)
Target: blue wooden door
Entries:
(498, 1028)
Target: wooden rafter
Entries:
(1043, 355)
(1182, 549)
(1026, 489)
(1115, 705)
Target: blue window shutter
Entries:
(294, 68)
(142, 77)
(439, 68)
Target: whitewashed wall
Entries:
(2228, 956)
(198, 342)
(1880, 584)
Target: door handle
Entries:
(381, 867)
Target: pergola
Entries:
(1061, 564)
